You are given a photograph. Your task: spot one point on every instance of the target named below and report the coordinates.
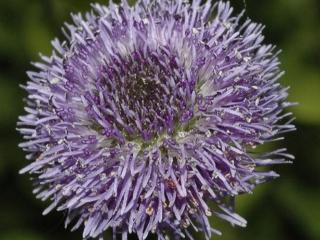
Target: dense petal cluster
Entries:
(147, 114)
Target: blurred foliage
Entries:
(286, 209)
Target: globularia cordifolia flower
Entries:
(142, 121)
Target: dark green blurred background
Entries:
(285, 209)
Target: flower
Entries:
(143, 120)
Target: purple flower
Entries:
(144, 119)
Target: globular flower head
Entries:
(143, 120)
